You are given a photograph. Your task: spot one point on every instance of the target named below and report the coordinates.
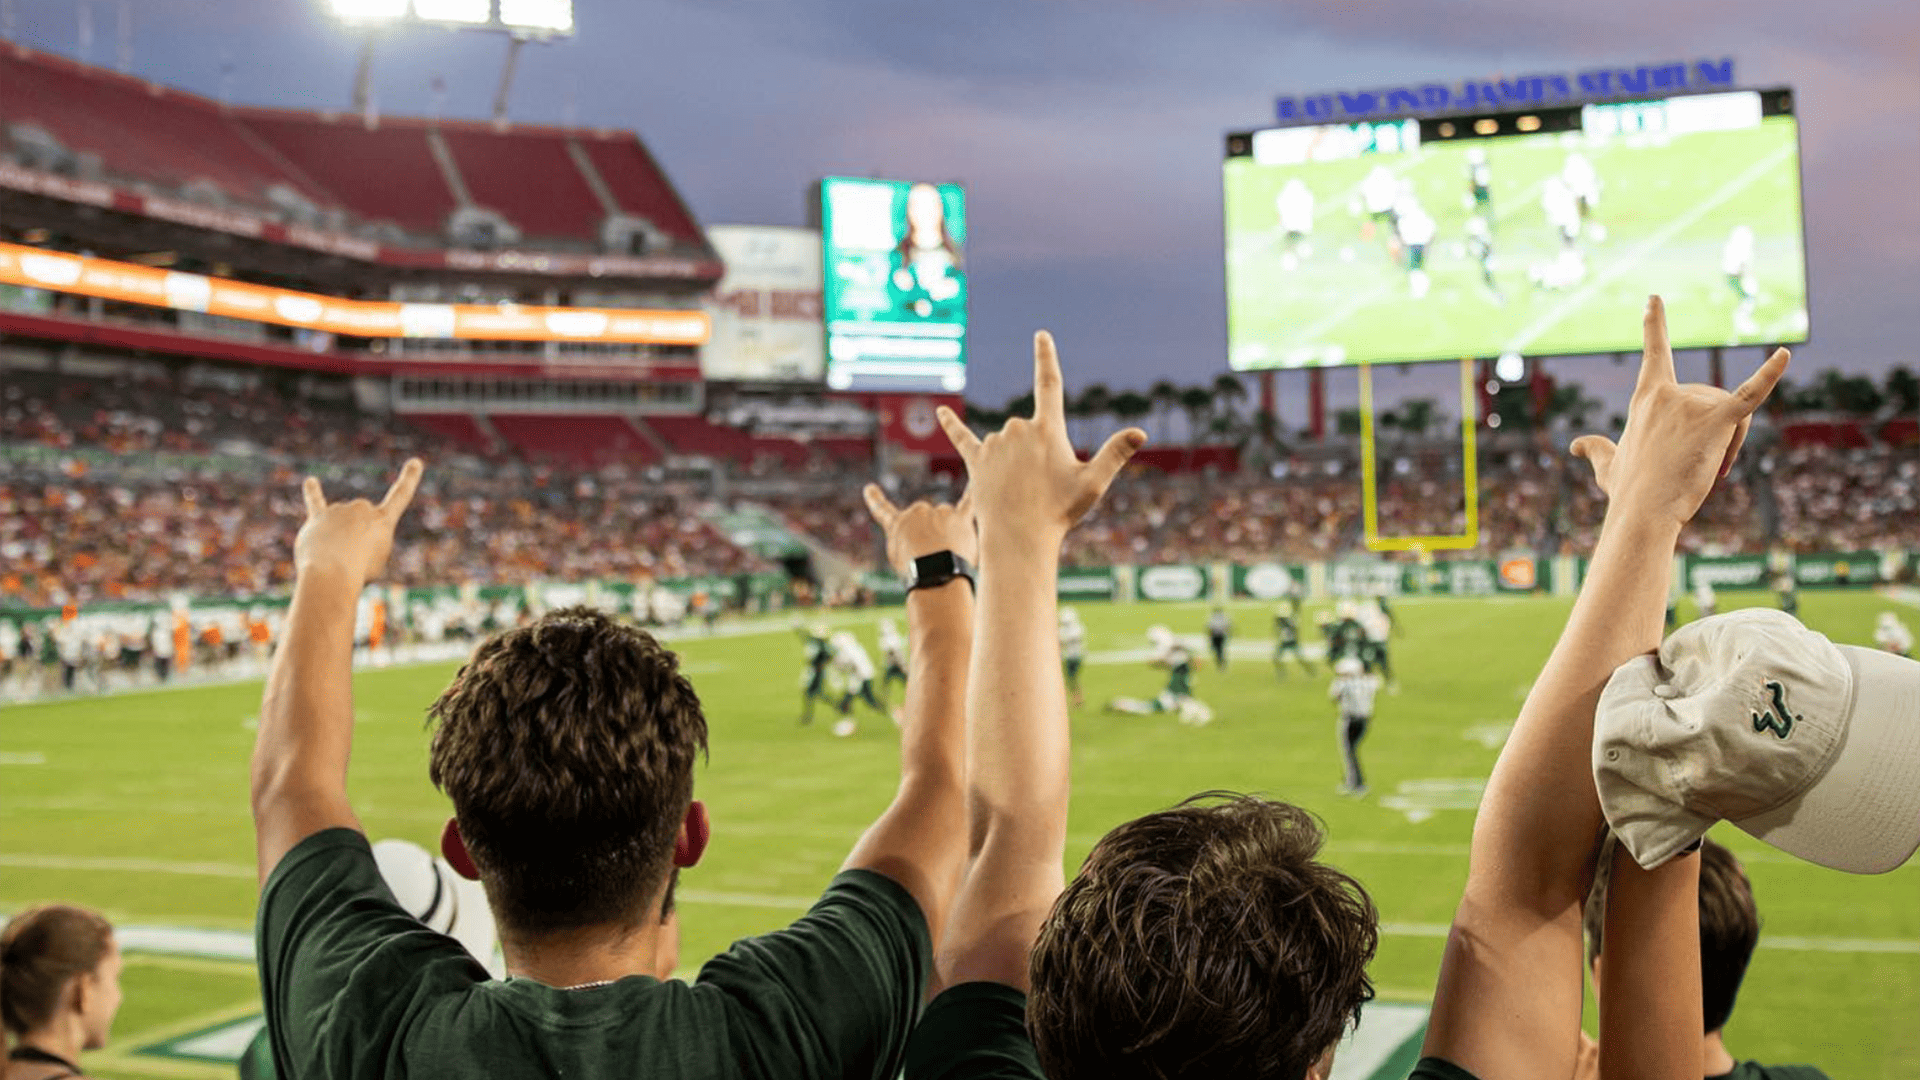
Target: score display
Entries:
(1536, 233)
(894, 284)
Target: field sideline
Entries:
(137, 805)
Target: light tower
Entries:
(520, 20)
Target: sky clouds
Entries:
(1089, 130)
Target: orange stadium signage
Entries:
(131, 283)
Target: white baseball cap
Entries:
(1751, 717)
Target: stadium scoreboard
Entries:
(1537, 231)
(894, 291)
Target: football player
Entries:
(1295, 207)
(850, 659)
(1736, 260)
(1178, 697)
(1073, 651)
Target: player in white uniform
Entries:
(1736, 261)
(1073, 651)
(1479, 184)
(1294, 205)
(1892, 635)
(856, 674)
(1378, 191)
(1562, 211)
(893, 650)
(1177, 698)
(1415, 229)
(1705, 600)
(1480, 246)
(1584, 185)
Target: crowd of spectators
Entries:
(177, 509)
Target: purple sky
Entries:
(1089, 130)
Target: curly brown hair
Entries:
(567, 747)
(1202, 941)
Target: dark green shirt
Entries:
(974, 1031)
(1436, 1069)
(354, 987)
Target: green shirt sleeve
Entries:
(342, 963)
(974, 1031)
(836, 994)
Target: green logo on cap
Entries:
(1776, 719)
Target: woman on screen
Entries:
(926, 264)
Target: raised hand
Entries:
(1679, 438)
(1026, 475)
(924, 528)
(352, 537)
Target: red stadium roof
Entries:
(239, 169)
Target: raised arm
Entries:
(306, 718)
(1650, 1001)
(920, 841)
(1508, 1002)
(1029, 488)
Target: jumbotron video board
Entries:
(1539, 233)
(895, 284)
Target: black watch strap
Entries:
(928, 571)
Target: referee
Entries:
(1354, 688)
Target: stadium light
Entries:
(463, 12)
(368, 10)
(548, 16)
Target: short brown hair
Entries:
(1729, 928)
(41, 950)
(567, 747)
(1202, 941)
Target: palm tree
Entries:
(1197, 403)
(1130, 406)
(1094, 402)
(1229, 392)
(1164, 396)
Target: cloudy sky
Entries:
(1088, 131)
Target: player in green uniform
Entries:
(819, 659)
(567, 748)
(1286, 638)
(1177, 698)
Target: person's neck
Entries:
(583, 957)
(1714, 1059)
(62, 1038)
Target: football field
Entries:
(137, 805)
(1664, 213)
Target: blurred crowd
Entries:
(199, 497)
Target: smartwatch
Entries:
(929, 571)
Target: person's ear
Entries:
(695, 830)
(453, 847)
(1323, 1068)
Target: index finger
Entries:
(880, 506)
(1656, 355)
(1048, 396)
(401, 493)
(1749, 395)
(310, 491)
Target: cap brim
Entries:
(1863, 814)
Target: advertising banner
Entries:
(895, 284)
(1176, 581)
(766, 309)
(1086, 583)
(132, 283)
(1728, 571)
(1269, 581)
(1839, 569)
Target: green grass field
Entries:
(138, 807)
(1667, 211)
